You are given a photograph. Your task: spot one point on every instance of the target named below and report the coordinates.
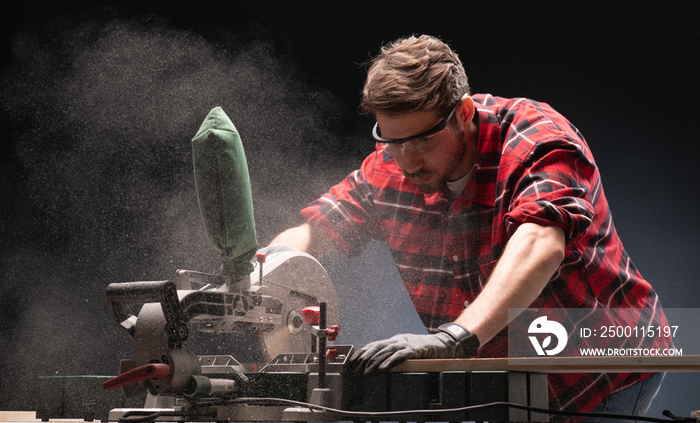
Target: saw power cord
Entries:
(136, 416)
(358, 414)
(141, 416)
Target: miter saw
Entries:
(290, 322)
(283, 298)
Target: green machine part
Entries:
(223, 189)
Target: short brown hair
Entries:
(415, 73)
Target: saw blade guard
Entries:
(299, 281)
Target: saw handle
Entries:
(145, 372)
(122, 294)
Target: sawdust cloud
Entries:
(101, 109)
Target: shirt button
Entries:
(466, 303)
(455, 258)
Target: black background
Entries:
(100, 100)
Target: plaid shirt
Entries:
(532, 166)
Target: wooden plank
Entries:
(29, 416)
(686, 363)
(18, 416)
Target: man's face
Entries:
(443, 161)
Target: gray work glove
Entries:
(387, 353)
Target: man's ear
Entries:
(466, 110)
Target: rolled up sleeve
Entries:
(554, 186)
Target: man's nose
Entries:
(410, 162)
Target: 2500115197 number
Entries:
(638, 331)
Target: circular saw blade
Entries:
(298, 280)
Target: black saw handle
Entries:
(122, 294)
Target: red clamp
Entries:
(331, 354)
(332, 333)
(148, 371)
(312, 314)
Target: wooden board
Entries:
(686, 363)
(29, 416)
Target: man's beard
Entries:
(429, 188)
(452, 163)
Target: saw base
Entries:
(287, 390)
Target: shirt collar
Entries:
(488, 156)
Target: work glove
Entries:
(382, 355)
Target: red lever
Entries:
(332, 333)
(148, 371)
(331, 354)
(312, 314)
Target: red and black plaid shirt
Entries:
(533, 165)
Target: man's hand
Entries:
(305, 238)
(274, 249)
(382, 355)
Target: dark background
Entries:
(99, 101)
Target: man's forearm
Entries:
(304, 238)
(531, 256)
(298, 237)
